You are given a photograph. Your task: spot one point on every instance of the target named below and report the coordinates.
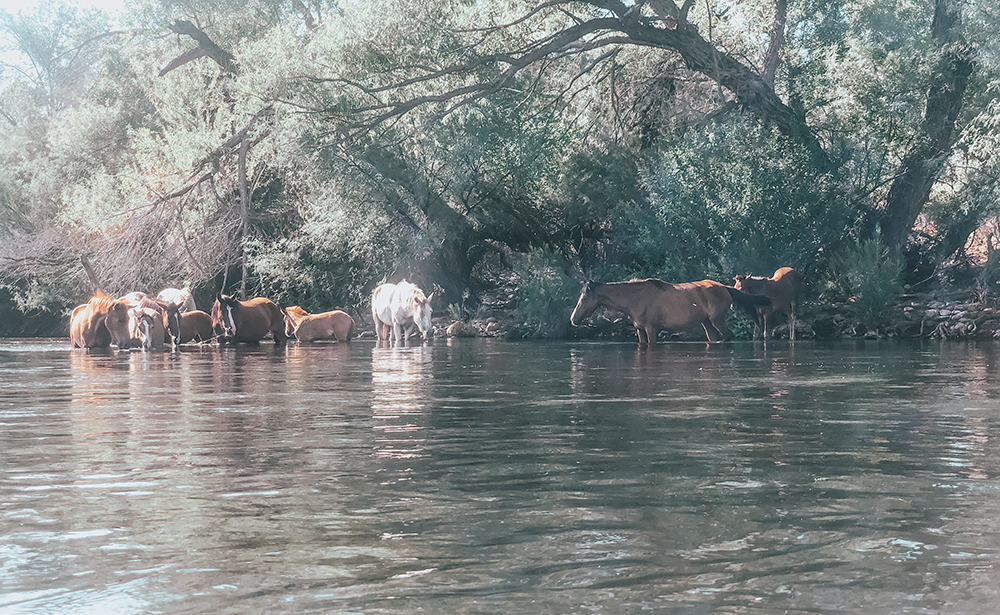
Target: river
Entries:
(484, 476)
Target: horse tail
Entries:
(350, 331)
(747, 302)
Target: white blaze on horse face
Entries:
(232, 323)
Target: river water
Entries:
(483, 476)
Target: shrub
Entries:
(867, 275)
(546, 294)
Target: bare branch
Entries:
(222, 57)
(184, 58)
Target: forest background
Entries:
(498, 152)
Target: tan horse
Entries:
(247, 321)
(183, 327)
(653, 305)
(100, 322)
(782, 289)
(308, 327)
(146, 327)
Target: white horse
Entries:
(181, 296)
(401, 307)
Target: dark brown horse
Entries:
(100, 322)
(308, 327)
(654, 304)
(183, 327)
(782, 289)
(247, 321)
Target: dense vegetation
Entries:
(308, 149)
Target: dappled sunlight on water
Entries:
(478, 476)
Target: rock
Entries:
(460, 329)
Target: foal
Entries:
(782, 289)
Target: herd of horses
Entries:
(145, 321)
(138, 320)
(653, 304)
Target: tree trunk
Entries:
(450, 232)
(923, 162)
(244, 213)
(750, 89)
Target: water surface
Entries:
(482, 476)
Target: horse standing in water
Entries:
(183, 327)
(401, 307)
(654, 304)
(180, 296)
(783, 291)
(308, 327)
(101, 321)
(146, 327)
(247, 321)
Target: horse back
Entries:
(196, 325)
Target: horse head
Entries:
(422, 315)
(586, 304)
(289, 321)
(117, 323)
(229, 307)
(142, 326)
(173, 321)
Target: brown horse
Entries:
(146, 327)
(247, 321)
(782, 289)
(308, 327)
(654, 304)
(183, 327)
(100, 322)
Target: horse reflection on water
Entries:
(401, 390)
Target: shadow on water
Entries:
(479, 476)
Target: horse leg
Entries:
(791, 321)
(641, 334)
(709, 328)
(764, 316)
(719, 322)
(651, 334)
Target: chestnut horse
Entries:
(308, 327)
(146, 327)
(782, 289)
(183, 327)
(100, 322)
(247, 321)
(653, 304)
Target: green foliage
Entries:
(545, 293)
(867, 275)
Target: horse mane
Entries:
(416, 295)
(663, 284)
(102, 301)
(298, 310)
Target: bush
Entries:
(867, 275)
(546, 294)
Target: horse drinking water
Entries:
(100, 322)
(183, 327)
(308, 327)
(401, 307)
(146, 327)
(247, 321)
(782, 289)
(653, 304)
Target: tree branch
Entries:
(222, 57)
